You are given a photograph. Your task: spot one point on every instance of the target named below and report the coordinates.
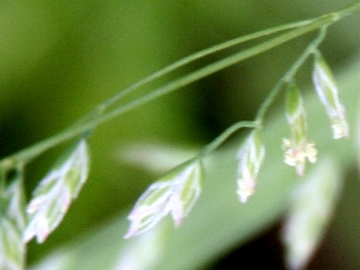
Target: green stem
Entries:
(196, 56)
(26, 155)
(225, 135)
(219, 65)
(311, 48)
(348, 10)
(337, 16)
(289, 75)
(185, 61)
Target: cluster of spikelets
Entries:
(178, 191)
(47, 208)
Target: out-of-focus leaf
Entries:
(140, 253)
(311, 207)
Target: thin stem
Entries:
(335, 16)
(289, 75)
(185, 61)
(311, 48)
(26, 155)
(219, 65)
(196, 56)
(100, 109)
(348, 10)
(225, 135)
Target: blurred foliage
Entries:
(60, 59)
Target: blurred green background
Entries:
(59, 59)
